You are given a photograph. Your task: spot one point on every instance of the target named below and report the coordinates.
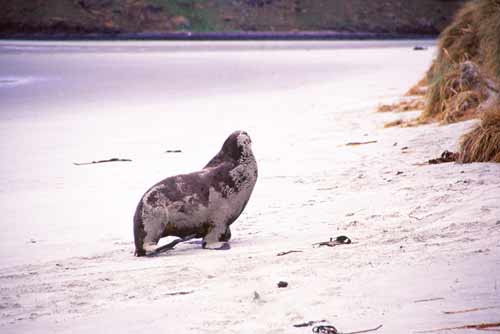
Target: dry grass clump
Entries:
(414, 100)
(419, 89)
(469, 52)
(463, 90)
(409, 123)
(483, 143)
(463, 106)
(397, 122)
(402, 106)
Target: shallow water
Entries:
(66, 102)
(53, 76)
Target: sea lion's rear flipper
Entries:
(171, 245)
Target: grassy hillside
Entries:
(129, 16)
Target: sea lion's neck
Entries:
(247, 168)
(246, 157)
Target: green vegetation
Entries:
(130, 16)
(199, 16)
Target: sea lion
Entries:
(201, 204)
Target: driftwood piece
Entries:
(365, 331)
(289, 252)
(309, 323)
(180, 293)
(101, 161)
(483, 326)
(356, 143)
(428, 300)
(471, 310)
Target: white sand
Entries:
(67, 262)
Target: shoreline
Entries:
(217, 36)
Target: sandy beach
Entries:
(425, 237)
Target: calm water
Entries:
(56, 76)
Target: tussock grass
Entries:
(488, 33)
(459, 42)
(463, 106)
(469, 53)
(483, 143)
(463, 81)
(456, 93)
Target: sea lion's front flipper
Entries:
(217, 237)
(227, 235)
(217, 245)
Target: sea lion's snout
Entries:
(243, 140)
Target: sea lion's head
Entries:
(237, 147)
